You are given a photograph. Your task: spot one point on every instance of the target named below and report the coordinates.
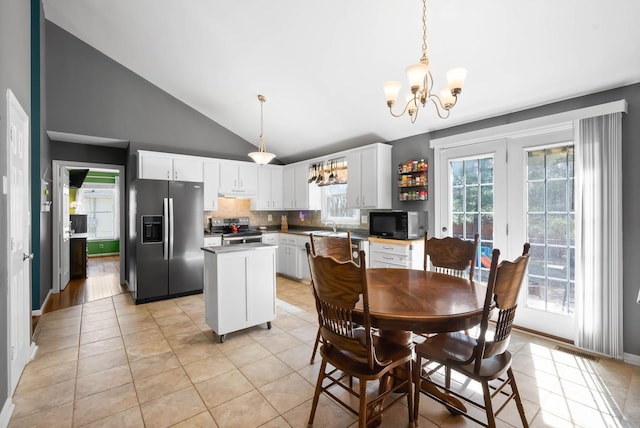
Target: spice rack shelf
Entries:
(413, 181)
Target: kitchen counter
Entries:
(238, 247)
(79, 236)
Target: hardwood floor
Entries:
(102, 281)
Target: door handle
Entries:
(444, 229)
(26, 256)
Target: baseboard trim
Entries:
(38, 312)
(632, 359)
(7, 411)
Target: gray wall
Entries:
(90, 94)
(14, 74)
(417, 146)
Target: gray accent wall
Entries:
(417, 146)
(14, 74)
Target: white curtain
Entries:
(598, 229)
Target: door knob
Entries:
(26, 256)
(444, 229)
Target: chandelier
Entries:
(261, 157)
(421, 83)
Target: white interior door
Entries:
(19, 215)
(64, 252)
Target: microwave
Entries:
(394, 224)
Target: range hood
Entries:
(76, 177)
(235, 193)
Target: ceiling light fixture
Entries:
(421, 83)
(261, 157)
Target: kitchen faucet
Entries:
(333, 226)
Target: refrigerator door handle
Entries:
(171, 228)
(165, 232)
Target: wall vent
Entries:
(577, 353)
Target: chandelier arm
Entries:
(406, 107)
(438, 105)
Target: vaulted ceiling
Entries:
(322, 64)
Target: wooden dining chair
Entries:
(349, 348)
(451, 255)
(329, 246)
(484, 359)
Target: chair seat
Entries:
(453, 349)
(356, 366)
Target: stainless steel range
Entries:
(235, 230)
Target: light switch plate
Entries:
(364, 219)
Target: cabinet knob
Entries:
(444, 230)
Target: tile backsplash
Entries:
(231, 207)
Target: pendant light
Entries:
(261, 157)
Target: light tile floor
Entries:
(112, 363)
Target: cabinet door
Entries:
(229, 176)
(301, 186)
(288, 188)
(154, 166)
(211, 178)
(248, 177)
(276, 189)
(232, 292)
(187, 169)
(354, 180)
(368, 178)
(263, 201)
(260, 267)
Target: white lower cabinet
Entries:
(392, 253)
(240, 289)
(212, 241)
(292, 256)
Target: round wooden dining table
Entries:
(402, 301)
(408, 300)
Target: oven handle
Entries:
(255, 238)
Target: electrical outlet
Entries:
(364, 219)
(269, 217)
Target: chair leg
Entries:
(316, 395)
(410, 394)
(417, 382)
(516, 396)
(362, 414)
(315, 346)
(486, 392)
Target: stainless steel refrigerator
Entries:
(165, 259)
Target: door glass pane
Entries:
(472, 207)
(550, 230)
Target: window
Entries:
(334, 205)
(100, 203)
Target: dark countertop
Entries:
(302, 230)
(250, 246)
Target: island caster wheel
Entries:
(222, 338)
(269, 325)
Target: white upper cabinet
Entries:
(270, 184)
(167, 166)
(211, 174)
(238, 178)
(369, 177)
(297, 193)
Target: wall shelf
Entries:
(413, 181)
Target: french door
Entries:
(512, 191)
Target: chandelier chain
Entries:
(424, 28)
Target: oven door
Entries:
(232, 239)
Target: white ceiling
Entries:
(322, 64)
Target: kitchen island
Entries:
(239, 286)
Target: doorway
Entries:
(99, 225)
